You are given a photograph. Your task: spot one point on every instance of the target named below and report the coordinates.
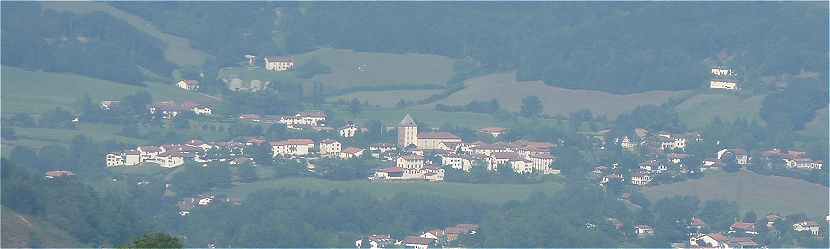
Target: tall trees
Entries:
(531, 106)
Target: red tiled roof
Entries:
(352, 150)
(393, 170)
(416, 240)
(59, 173)
(437, 135)
(301, 141)
(743, 226)
(492, 129)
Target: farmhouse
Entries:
(743, 228)
(292, 147)
(641, 179)
(168, 159)
(643, 231)
(314, 118)
(278, 64)
(723, 84)
(190, 85)
(410, 162)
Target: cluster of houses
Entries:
(723, 78)
(273, 63)
(430, 238)
(739, 235)
(521, 156)
(664, 153)
(165, 109)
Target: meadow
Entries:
(699, 110)
(509, 92)
(391, 117)
(37, 92)
(751, 191)
(491, 193)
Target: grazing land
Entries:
(817, 128)
(492, 193)
(700, 110)
(37, 92)
(751, 191)
(433, 118)
(509, 93)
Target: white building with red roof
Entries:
(292, 147)
(329, 147)
(190, 85)
(278, 64)
(351, 152)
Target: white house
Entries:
(808, 226)
(278, 64)
(351, 152)
(417, 242)
(492, 131)
(292, 147)
(169, 159)
(641, 179)
(410, 162)
(349, 130)
(109, 104)
(329, 147)
(203, 110)
(643, 231)
(436, 140)
(190, 85)
(723, 84)
(313, 118)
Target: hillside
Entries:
(752, 192)
(24, 231)
(701, 109)
(509, 92)
(36, 92)
(177, 49)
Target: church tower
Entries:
(407, 132)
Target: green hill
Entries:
(25, 231)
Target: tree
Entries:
(247, 173)
(156, 240)
(57, 118)
(531, 106)
(355, 107)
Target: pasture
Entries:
(701, 109)
(751, 191)
(490, 193)
(509, 93)
(391, 117)
(37, 92)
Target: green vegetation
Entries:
(37, 92)
(434, 118)
(386, 98)
(556, 101)
(495, 193)
(751, 191)
(701, 109)
(20, 230)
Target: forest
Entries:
(616, 47)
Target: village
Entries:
(426, 155)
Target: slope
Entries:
(26, 231)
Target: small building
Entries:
(190, 85)
(202, 110)
(169, 159)
(807, 226)
(351, 152)
(329, 147)
(292, 147)
(278, 64)
(417, 242)
(436, 140)
(643, 231)
(641, 179)
(492, 131)
(410, 162)
(108, 105)
(743, 228)
(723, 84)
(58, 174)
(349, 130)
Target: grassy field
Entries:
(37, 92)
(492, 193)
(701, 109)
(510, 92)
(358, 69)
(178, 49)
(19, 230)
(386, 98)
(39, 137)
(752, 192)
